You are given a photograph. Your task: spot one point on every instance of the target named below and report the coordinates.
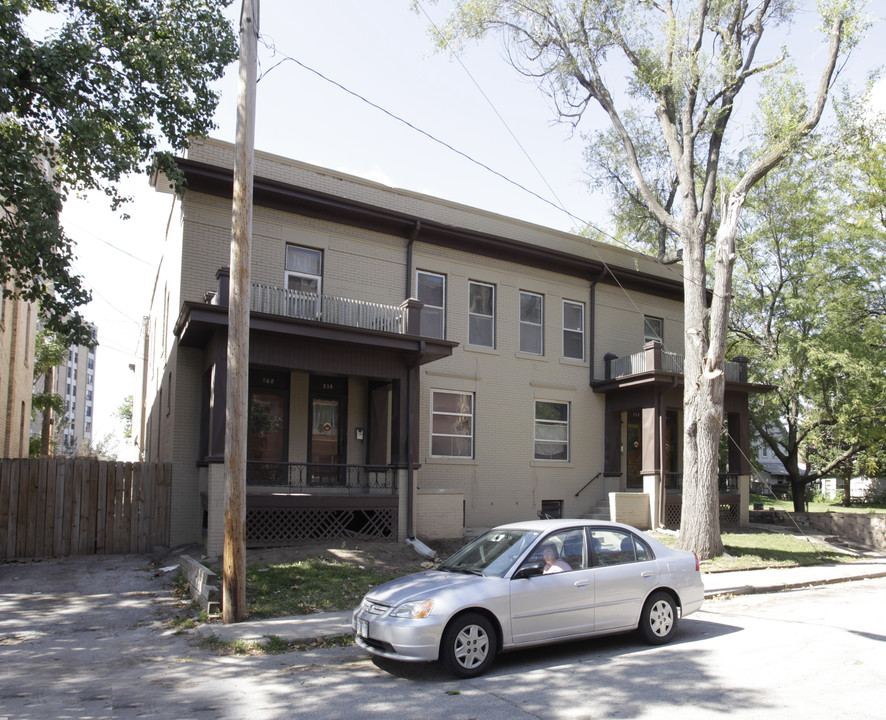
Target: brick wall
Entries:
(438, 515)
(865, 529)
(630, 508)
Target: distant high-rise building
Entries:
(75, 383)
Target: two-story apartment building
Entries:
(416, 366)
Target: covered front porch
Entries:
(333, 414)
(643, 438)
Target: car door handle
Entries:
(647, 574)
(581, 584)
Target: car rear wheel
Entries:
(469, 645)
(658, 620)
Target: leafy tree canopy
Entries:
(668, 76)
(92, 96)
(810, 307)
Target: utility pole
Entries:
(237, 407)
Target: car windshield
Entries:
(492, 553)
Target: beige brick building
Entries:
(18, 330)
(417, 367)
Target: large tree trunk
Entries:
(703, 416)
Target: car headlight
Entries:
(416, 609)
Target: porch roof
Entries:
(198, 323)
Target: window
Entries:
(304, 269)
(431, 290)
(617, 547)
(531, 323)
(481, 314)
(560, 552)
(452, 424)
(653, 329)
(573, 330)
(551, 430)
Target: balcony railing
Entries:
(670, 362)
(327, 308)
(319, 477)
(727, 483)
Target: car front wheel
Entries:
(469, 645)
(659, 619)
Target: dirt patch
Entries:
(380, 554)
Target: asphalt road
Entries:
(74, 646)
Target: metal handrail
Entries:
(589, 482)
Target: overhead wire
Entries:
(270, 45)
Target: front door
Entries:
(634, 451)
(267, 432)
(327, 437)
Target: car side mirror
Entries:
(528, 571)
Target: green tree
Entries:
(686, 67)
(107, 85)
(50, 352)
(124, 413)
(809, 309)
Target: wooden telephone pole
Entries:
(237, 408)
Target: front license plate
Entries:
(363, 628)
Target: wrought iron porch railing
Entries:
(727, 483)
(327, 308)
(319, 477)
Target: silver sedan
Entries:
(531, 583)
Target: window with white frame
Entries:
(531, 323)
(573, 330)
(452, 424)
(481, 314)
(431, 290)
(551, 430)
(304, 269)
(653, 329)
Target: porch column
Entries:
(217, 398)
(739, 462)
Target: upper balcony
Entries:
(301, 316)
(653, 358)
(330, 309)
(653, 367)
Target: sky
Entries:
(381, 51)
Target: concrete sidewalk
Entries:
(312, 627)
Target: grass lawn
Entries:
(308, 586)
(834, 506)
(753, 550)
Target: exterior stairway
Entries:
(599, 510)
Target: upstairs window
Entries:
(531, 323)
(573, 330)
(481, 314)
(431, 290)
(304, 269)
(653, 329)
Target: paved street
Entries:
(817, 653)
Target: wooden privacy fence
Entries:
(58, 507)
